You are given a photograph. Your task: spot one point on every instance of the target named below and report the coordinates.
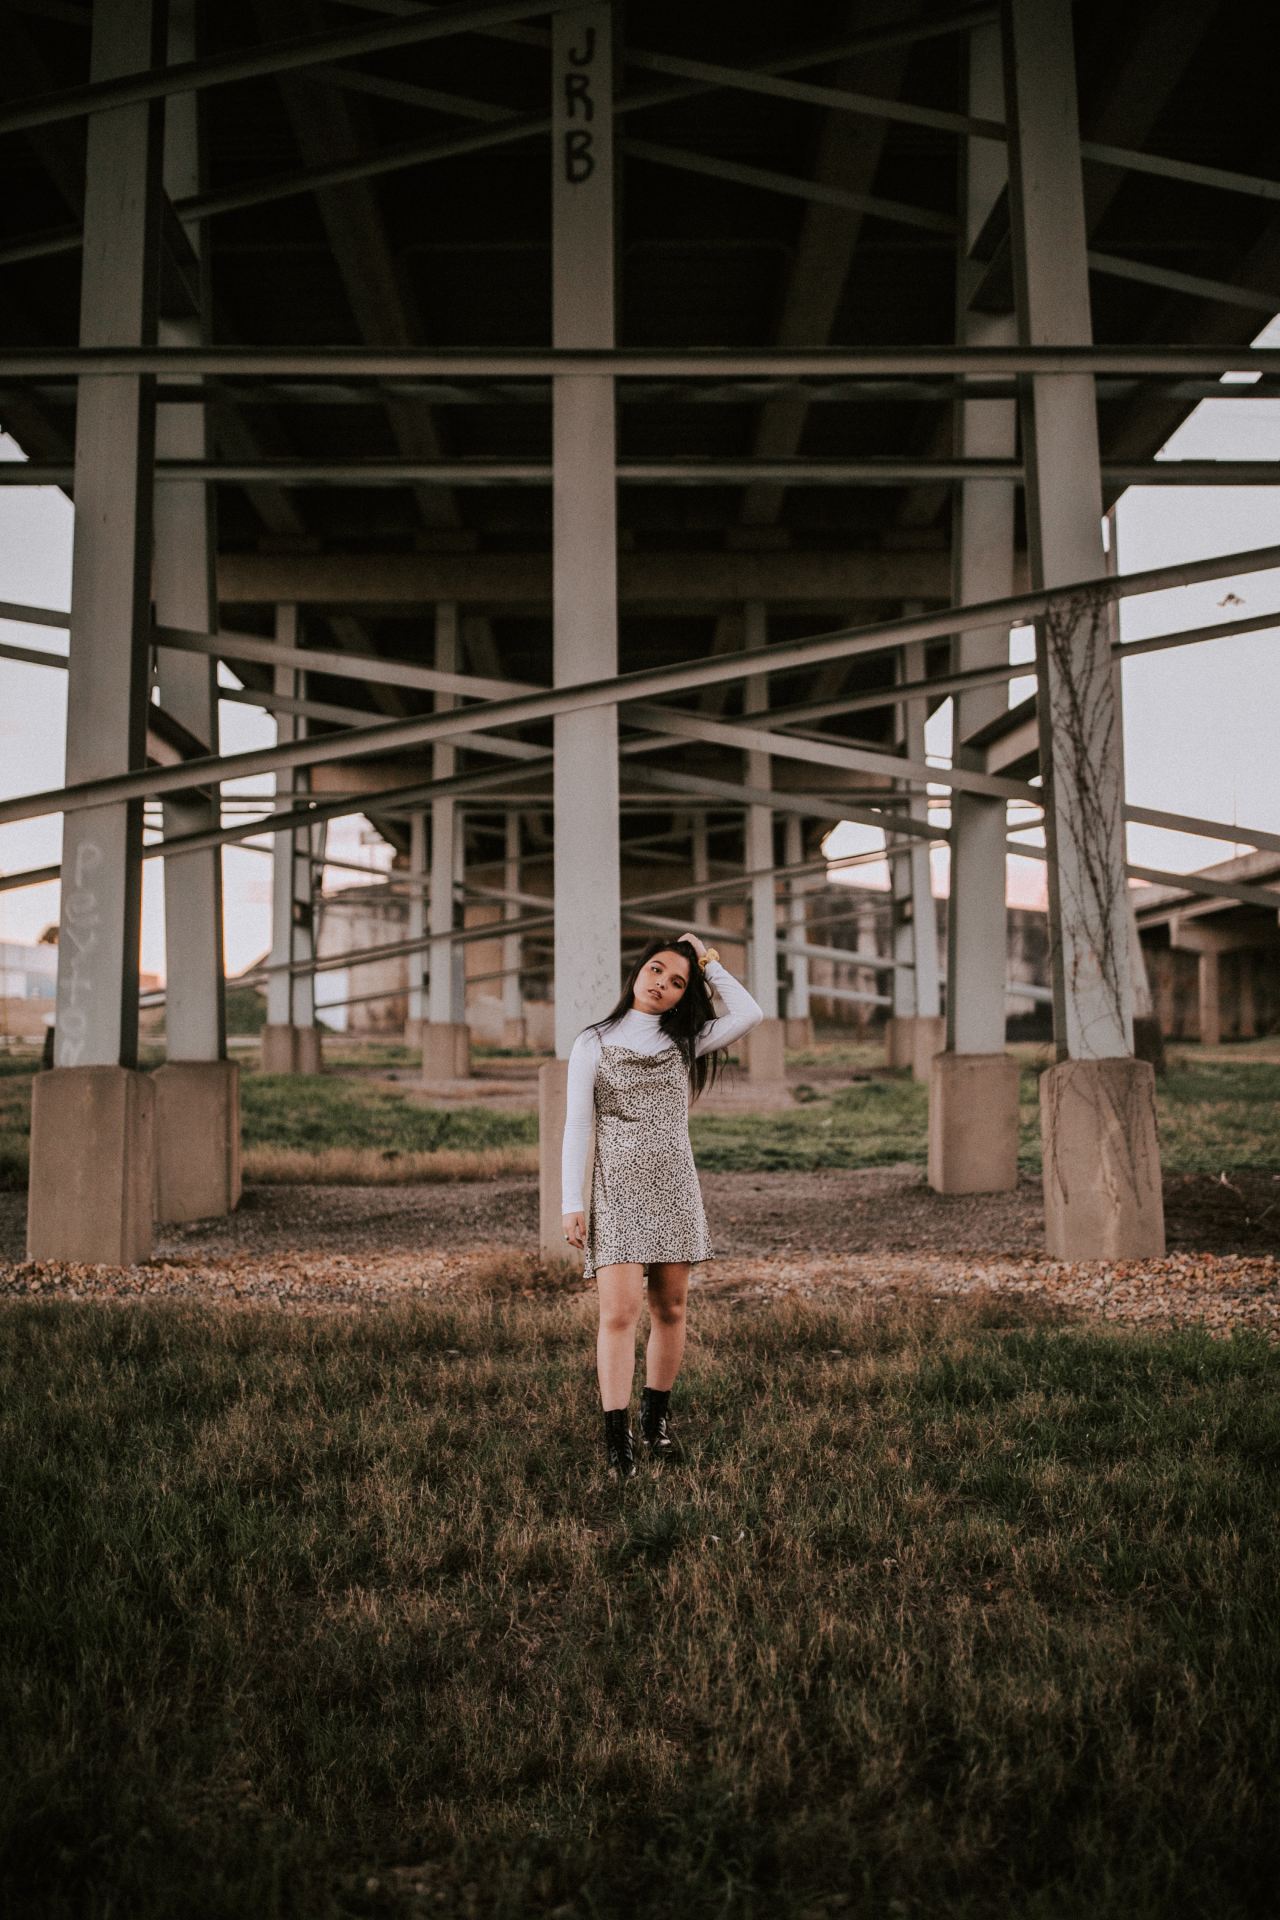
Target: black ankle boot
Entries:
(654, 1429)
(618, 1445)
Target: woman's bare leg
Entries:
(668, 1294)
(621, 1291)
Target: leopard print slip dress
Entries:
(646, 1204)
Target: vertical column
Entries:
(584, 561)
(799, 1022)
(198, 1089)
(92, 1127)
(1102, 1171)
(445, 1043)
(514, 1032)
(766, 1043)
(291, 1039)
(915, 1030)
(416, 926)
(701, 868)
(973, 1086)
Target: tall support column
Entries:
(198, 1089)
(446, 1051)
(1102, 1169)
(514, 1031)
(915, 1031)
(701, 868)
(92, 1124)
(766, 1043)
(973, 1087)
(588, 919)
(799, 1021)
(291, 1039)
(416, 926)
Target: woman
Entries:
(631, 1077)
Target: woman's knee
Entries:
(667, 1309)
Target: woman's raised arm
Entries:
(743, 1013)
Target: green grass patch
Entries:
(950, 1611)
(324, 1110)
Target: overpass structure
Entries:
(588, 433)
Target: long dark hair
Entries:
(683, 1022)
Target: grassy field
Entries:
(1218, 1112)
(951, 1611)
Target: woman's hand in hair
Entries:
(575, 1229)
(693, 941)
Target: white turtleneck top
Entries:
(642, 1033)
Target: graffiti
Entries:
(579, 104)
(81, 924)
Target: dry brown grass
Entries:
(382, 1166)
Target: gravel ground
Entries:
(811, 1235)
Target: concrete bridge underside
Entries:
(631, 535)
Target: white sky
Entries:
(1202, 723)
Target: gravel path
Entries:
(810, 1235)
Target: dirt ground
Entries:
(887, 1210)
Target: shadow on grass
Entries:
(962, 1609)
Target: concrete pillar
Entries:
(701, 869)
(291, 1039)
(416, 927)
(1102, 1184)
(915, 1030)
(973, 1087)
(197, 1114)
(766, 1042)
(1248, 1021)
(1210, 993)
(197, 1095)
(588, 915)
(92, 1141)
(799, 1021)
(514, 1031)
(446, 1050)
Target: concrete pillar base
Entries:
(413, 1033)
(197, 1139)
(92, 1166)
(515, 1033)
(799, 1030)
(553, 1081)
(291, 1050)
(1102, 1193)
(446, 1050)
(912, 1040)
(973, 1123)
(765, 1047)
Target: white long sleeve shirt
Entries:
(642, 1033)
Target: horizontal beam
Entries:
(822, 753)
(645, 684)
(253, 63)
(1209, 829)
(1198, 883)
(625, 363)
(690, 470)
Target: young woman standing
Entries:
(632, 1076)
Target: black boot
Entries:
(618, 1444)
(654, 1429)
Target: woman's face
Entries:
(660, 982)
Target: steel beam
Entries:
(584, 522)
(1078, 712)
(624, 363)
(762, 952)
(441, 1007)
(97, 995)
(983, 561)
(645, 684)
(184, 596)
(288, 56)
